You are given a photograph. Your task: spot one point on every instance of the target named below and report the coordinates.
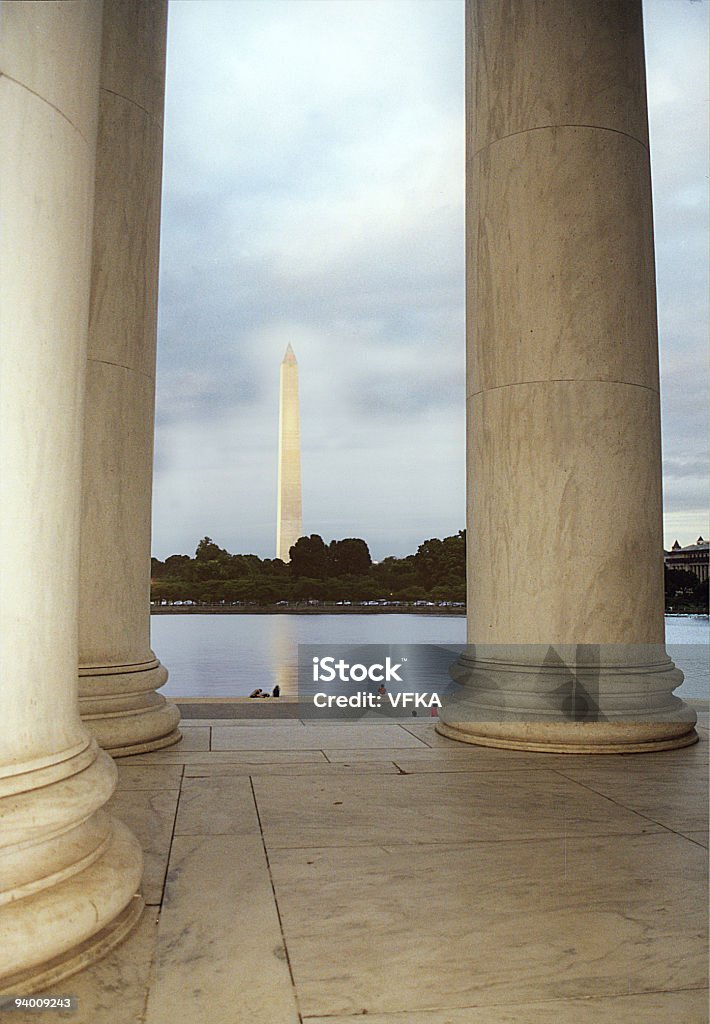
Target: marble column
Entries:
(565, 568)
(68, 871)
(119, 675)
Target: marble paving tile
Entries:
(150, 815)
(697, 837)
(239, 722)
(217, 806)
(194, 737)
(226, 757)
(316, 737)
(198, 771)
(111, 991)
(444, 763)
(422, 752)
(689, 1007)
(427, 734)
(220, 954)
(669, 760)
(443, 808)
(469, 758)
(439, 926)
(149, 776)
(676, 798)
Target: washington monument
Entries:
(289, 518)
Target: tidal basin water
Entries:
(231, 655)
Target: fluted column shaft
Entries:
(564, 468)
(68, 872)
(119, 674)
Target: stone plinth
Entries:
(69, 873)
(119, 675)
(564, 469)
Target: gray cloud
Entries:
(313, 194)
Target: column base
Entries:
(541, 738)
(69, 873)
(48, 975)
(568, 699)
(121, 708)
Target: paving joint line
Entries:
(276, 902)
(583, 997)
(617, 803)
(172, 837)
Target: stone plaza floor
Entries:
(335, 873)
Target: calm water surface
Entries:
(230, 655)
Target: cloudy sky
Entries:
(313, 194)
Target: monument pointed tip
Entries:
(289, 355)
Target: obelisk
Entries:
(289, 519)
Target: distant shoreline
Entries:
(354, 609)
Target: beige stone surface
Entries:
(445, 763)
(514, 922)
(653, 1008)
(125, 278)
(119, 674)
(52, 51)
(220, 949)
(421, 753)
(697, 837)
(677, 799)
(115, 630)
(563, 426)
(393, 919)
(150, 815)
(284, 737)
(694, 757)
(445, 808)
(205, 771)
(545, 469)
(133, 67)
(230, 757)
(196, 737)
(562, 315)
(563, 65)
(149, 776)
(229, 723)
(62, 858)
(46, 171)
(114, 990)
(216, 806)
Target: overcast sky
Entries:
(313, 194)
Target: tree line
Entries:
(341, 571)
(684, 592)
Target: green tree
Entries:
(679, 584)
(349, 557)
(700, 595)
(208, 551)
(309, 558)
